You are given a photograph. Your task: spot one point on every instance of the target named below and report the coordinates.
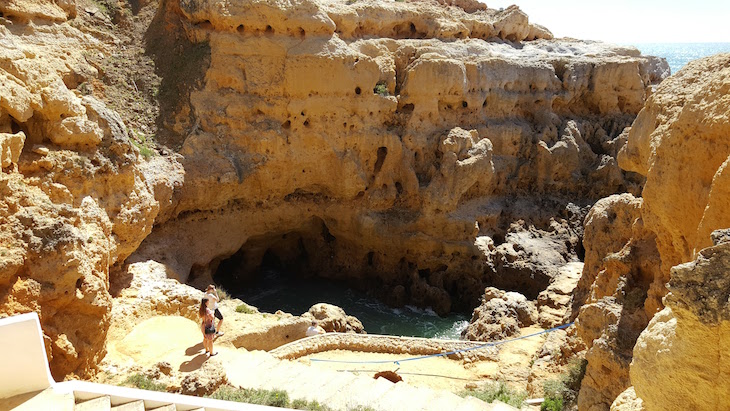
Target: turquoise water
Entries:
(679, 54)
(273, 290)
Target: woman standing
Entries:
(207, 326)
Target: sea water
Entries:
(273, 290)
(679, 54)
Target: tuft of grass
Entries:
(144, 143)
(144, 383)
(564, 391)
(223, 294)
(381, 89)
(245, 309)
(500, 392)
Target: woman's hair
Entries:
(203, 307)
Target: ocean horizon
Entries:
(679, 54)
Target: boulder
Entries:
(205, 380)
(501, 315)
(333, 319)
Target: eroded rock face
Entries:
(679, 143)
(399, 167)
(72, 199)
(685, 123)
(620, 272)
(688, 338)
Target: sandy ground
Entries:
(179, 342)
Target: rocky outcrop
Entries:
(73, 201)
(500, 315)
(689, 338)
(205, 380)
(678, 142)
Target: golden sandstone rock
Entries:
(679, 143)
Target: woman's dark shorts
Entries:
(218, 314)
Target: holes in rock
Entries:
(399, 187)
(370, 257)
(286, 125)
(484, 105)
(306, 123)
(358, 90)
(205, 25)
(240, 29)
(408, 108)
(79, 283)
(269, 30)
(382, 153)
(464, 104)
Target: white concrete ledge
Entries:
(23, 356)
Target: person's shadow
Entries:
(195, 362)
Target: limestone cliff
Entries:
(679, 143)
(422, 150)
(73, 201)
(412, 148)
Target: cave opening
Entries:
(295, 269)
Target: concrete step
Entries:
(310, 384)
(472, 404)
(402, 395)
(130, 406)
(444, 400)
(284, 375)
(358, 393)
(97, 404)
(47, 399)
(170, 407)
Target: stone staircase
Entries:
(344, 390)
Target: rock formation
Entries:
(685, 345)
(73, 201)
(421, 150)
(678, 142)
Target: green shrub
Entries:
(500, 392)
(144, 143)
(245, 309)
(144, 383)
(308, 405)
(552, 404)
(381, 89)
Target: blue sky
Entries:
(625, 21)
